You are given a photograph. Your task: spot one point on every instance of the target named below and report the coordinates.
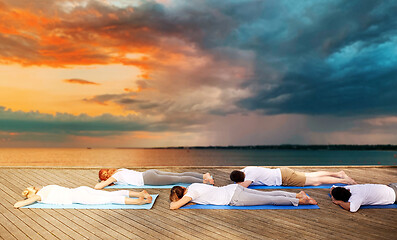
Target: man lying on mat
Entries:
(287, 177)
(352, 197)
(53, 194)
(234, 195)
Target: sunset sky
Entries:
(130, 73)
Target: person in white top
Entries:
(287, 177)
(234, 195)
(109, 176)
(352, 197)
(54, 194)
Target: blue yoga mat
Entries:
(373, 206)
(126, 186)
(325, 186)
(380, 206)
(92, 206)
(257, 207)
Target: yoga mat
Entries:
(257, 207)
(92, 206)
(126, 186)
(325, 186)
(373, 206)
(379, 206)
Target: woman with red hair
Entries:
(109, 176)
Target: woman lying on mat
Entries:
(109, 176)
(53, 194)
(234, 195)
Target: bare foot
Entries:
(307, 201)
(347, 178)
(141, 201)
(148, 199)
(341, 174)
(352, 182)
(344, 175)
(207, 178)
(145, 194)
(301, 194)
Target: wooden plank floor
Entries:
(328, 222)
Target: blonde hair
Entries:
(28, 192)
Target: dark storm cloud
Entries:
(18, 121)
(84, 125)
(311, 57)
(340, 60)
(105, 98)
(126, 101)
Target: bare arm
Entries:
(105, 183)
(28, 201)
(245, 183)
(344, 205)
(180, 203)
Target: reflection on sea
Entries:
(189, 157)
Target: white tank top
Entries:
(126, 176)
(263, 176)
(54, 194)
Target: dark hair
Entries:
(237, 176)
(176, 193)
(340, 193)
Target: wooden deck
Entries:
(328, 222)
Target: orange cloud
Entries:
(138, 89)
(80, 81)
(89, 35)
(86, 36)
(61, 40)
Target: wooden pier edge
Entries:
(328, 222)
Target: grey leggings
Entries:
(249, 197)
(156, 177)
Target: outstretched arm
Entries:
(245, 183)
(105, 183)
(180, 203)
(28, 201)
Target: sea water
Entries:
(81, 157)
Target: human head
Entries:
(237, 176)
(29, 191)
(106, 173)
(340, 193)
(177, 193)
